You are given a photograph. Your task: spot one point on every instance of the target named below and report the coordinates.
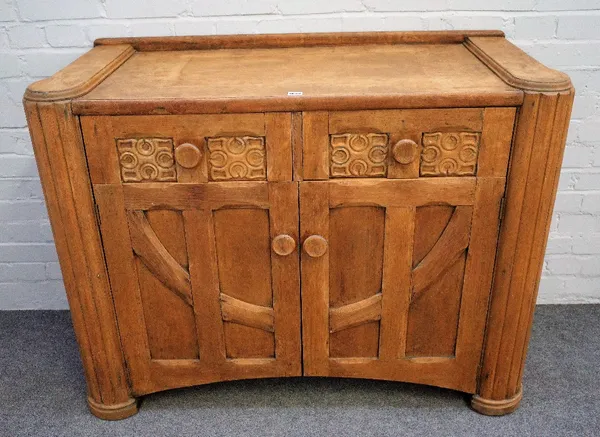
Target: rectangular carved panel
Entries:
(146, 160)
(449, 153)
(358, 155)
(237, 158)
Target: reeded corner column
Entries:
(532, 180)
(58, 147)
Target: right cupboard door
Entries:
(396, 276)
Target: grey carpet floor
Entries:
(42, 393)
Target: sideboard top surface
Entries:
(298, 72)
(315, 71)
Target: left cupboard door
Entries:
(205, 280)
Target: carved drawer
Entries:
(399, 144)
(190, 148)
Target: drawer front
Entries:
(189, 148)
(398, 144)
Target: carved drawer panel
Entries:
(449, 153)
(358, 155)
(237, 158)
(146, 160)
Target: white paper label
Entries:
(294, 93)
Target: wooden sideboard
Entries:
(366, 205)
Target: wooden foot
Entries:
(113, 412)
(491, 407)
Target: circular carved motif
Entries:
(377, 154)
(145, 147)
(164, 159)
(359, 143)
(340, 155)
(448, 166)
(358, 167)
(218, 159)
(468, 154)
(255, 158)
(236, 146)
(430, 154)
(187, 155)
(405, 151)
(450, 141)
(238, 170)
(283, 244)
(148, 171)
(315, 246)
(128, 160)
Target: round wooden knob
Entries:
(315, 246)
(187, 155)
(405, 151)
(283, 244)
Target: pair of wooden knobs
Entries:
(315, 246)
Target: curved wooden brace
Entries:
(354, 314)
(248, 314)
(452, 243)
(156, 257)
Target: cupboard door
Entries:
(396, 277)
(205, 279)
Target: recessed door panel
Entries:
(169, 317)
(355, 275)
(244, 264)
(439, 259)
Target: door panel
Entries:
(244, 265)
(437, 279)
(200, 294)
(355, 275)
(171, 334)
(404, 280)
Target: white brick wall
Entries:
(38, 37)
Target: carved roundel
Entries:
(146, 160)
(237, 158)
(449, 153)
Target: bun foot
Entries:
(491, 407)
(115, 411)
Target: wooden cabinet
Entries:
(212, 224)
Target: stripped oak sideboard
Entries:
(366, 205)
